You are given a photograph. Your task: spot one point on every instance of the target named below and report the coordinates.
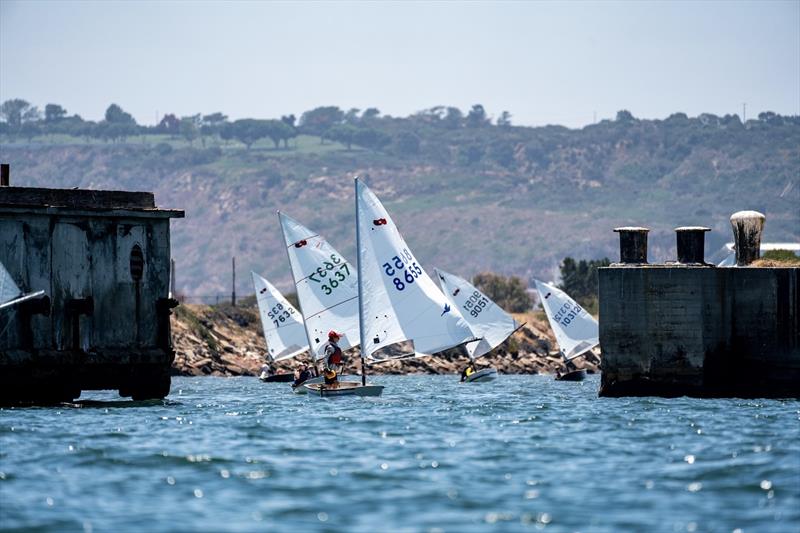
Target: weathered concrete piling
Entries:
(747, 228)
(103, 258)
(689, 328)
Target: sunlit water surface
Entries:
(521, 453)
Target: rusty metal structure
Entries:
(103, 260)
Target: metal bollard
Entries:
(691, 241)
(632, 244)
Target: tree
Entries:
(579, 279)
(12, 111)
(116, 115)
(351, 117)
(289, 120)
(169, 124)
(54, 113)
(476, 117)
(278, 130)
(343, 133)
(625, 116)
(510, 293)
(504, 120)
(453, 118)
(370, 114)
(372, 138)
(188, 128)
(320, 120)
(406, 143)
(249, 130)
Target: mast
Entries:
(360, 288)
(299, 303)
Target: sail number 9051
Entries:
(402, 269)
(279, 314)
(338, 270)
(475, 304)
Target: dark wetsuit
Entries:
(304, 376)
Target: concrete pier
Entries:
(689, 328)
(103, 258)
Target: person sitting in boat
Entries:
(266, 370)
(333, 358)
(302, 375)
(467, 372)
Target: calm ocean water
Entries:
(522, 453)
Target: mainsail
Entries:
(486, 319)
(576, 330)
(8, 289)
(282, 323)
(327, 286)
(398, 300)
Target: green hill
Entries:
(468, 196)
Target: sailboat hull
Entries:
(277, 378)
(484, 374)
(300, 389)
(344, 388)
(575, 375)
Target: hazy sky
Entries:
(546, 63)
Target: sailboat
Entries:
(10, 293)
(283, 326)
(486, 319)
(575, 329)
(327, 289)
(397, 299)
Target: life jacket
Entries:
(336, 357)
(470, 371)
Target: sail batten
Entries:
(283, 326)
(326, 284)
(488, 321)
(399, 301)
(575, 329)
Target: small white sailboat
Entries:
(10, 293)
(398, 301)
(327, 290)
(575, 329)
(487, 320)
(283, 326)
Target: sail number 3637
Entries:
(330, 274)
(402, 270)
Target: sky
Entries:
(569, 63)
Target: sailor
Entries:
(467, 372)
(266, 370)
(333, 358)
(302, 375)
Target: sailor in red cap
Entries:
(333, 359)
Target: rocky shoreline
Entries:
(227, 341)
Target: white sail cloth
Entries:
(282, 323)
(398, 300)
(8, 289)
(327, 286)
(576, 330)
(487, 320)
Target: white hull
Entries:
(345, 388)
(484, 374)
(321, 379)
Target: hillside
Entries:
(467, 197)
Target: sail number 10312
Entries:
(402, 269)
(567, 313)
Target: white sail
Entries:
(398, 300)
(327, 286)
(576, 330)
(8, 289)
(282, 323)
(486, 319)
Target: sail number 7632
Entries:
(402, 269)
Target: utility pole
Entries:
(233, 286)
(744, 112)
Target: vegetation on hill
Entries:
(468, 192)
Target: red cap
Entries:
(332, 333)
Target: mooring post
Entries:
(747, 228)
(691, 241)
(632, 244)
(5, 175)
(233, 286)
